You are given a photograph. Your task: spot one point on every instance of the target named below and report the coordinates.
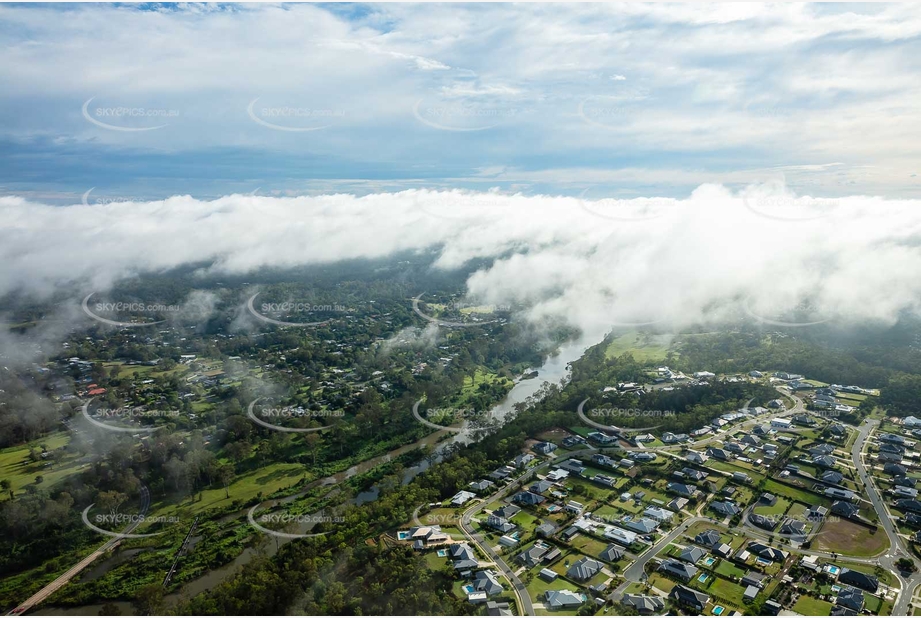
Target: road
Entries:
(897, 547)
(525, 605)
(63, 579)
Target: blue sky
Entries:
(625, 101)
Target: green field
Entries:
(20, 470)
(263, 481)
(644, 347)
(809, 606)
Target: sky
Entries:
(611, 166)
(107, 102)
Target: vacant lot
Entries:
(850, 539)
(809, 606)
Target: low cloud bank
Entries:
(593, 263)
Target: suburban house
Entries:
(850, 598)
(692, 554)
(861, 580)
(462, 497)
(463, 557)
(658, 514)
(561, 599)
(584, 569)
(612, 553)
(696, 457)
(642, 525)
(766, 551)
(488, 582)
(681, 570)
(846, 509)
(644, 605)
(481, 485)
(689, 598)
(544, 448)
(500, 523)
(682, 489)
(532, 557)
(708, 538)
(526, 497)
(726, 508)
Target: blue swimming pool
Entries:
(718, 610)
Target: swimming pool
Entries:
(702, 577)
(442, 553)
(709, 561)
(469, 589)
(718, 610)
(833, 569)
(402, 536)
(764, 561)
(836, 588)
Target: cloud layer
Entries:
(593, 263)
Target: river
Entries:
(554, 370)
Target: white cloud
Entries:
(592, 264)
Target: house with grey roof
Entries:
(644, 604)
(562, 599)
(681, 570)
(584, 569)
(612, 553)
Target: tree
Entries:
(7, 487)
(149, 599)
(225, 474)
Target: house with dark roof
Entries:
(765, 523)
(682, 489)
(508, 511)
(726, 508)
(766, 551)
(688, 597)
(500, 523)
(824, 461)
(895, 469)
(793, 528)
(707, 538)
(526, 497)
(546, 530)
(612, 553)
(691, 554)
(850, 598)
(693, 474)
(832, 476)
(681, 570)
(844, 509)
(908, 504)
(886, 457)
(540, 486)
(861, 580)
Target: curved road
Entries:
(897, 547)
